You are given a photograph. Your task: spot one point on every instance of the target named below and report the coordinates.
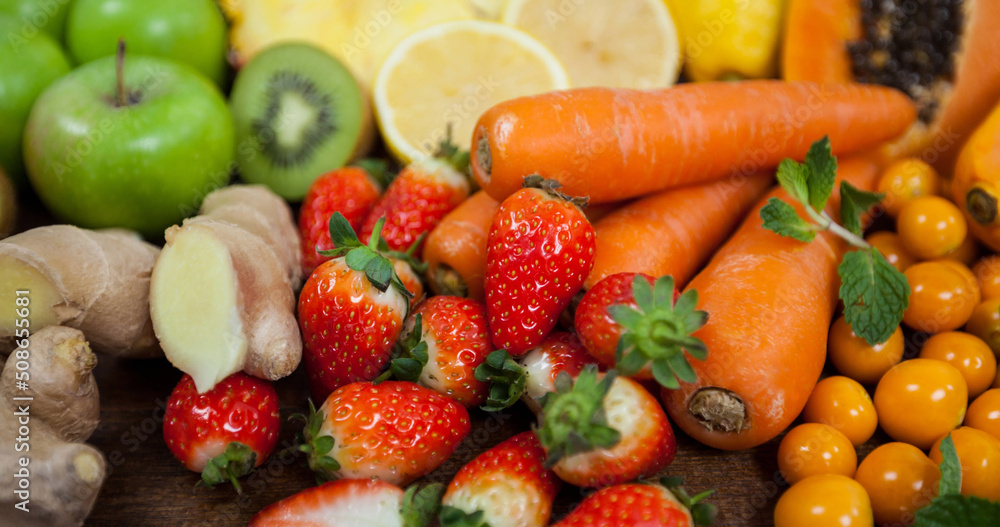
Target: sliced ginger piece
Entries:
(221, 302)
(196, 312)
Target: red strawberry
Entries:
(641, 504)
(351, 191)
(224, 432)
(539, 251)
(508, 485)
(353, 502)
(446, 339)
(559, 352)
(604, 429)
(417, 199)
(395, 431)
(630, 322)
(351, 312)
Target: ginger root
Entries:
(222, 296)
(265, 214)
(8, 205)
(47, 468)
(95, 281)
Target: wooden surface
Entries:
(146, 486)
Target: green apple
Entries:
(137, 149)
(192, 32)
(27, 66)
(34, 15)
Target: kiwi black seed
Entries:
(910, 45)
(298, 113)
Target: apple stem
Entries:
(120, 73)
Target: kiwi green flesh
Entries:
(298, 113)
(910, 46)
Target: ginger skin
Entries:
(95, 281)
(64, 474)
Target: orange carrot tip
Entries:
(874, 293)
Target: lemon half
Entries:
(620, 44)
(449, 74)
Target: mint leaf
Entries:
(782, 218)
(794, 178)
(955, 509)
(821, 167)
(874, 293)
(951, 469)
(854, 203)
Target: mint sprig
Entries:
(951, 508)
(874, 293)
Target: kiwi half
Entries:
(298, 113)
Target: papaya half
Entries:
(942, 53)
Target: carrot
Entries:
(598, 211)
(770, 301)
(612, 144)
(675, 231)
(455, 251)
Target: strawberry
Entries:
(420, 196)
(630, 322)
(532, 375)
(224, 432)
(663, 504)
(604, 429)
(351, 312)
(508, 485)
(446, 339)
(353, 502)
(560, 351)
(417, 430)
(351, 191)
(539, 251)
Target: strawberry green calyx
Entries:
(573, 420)
(448, 152)
(378, 170)
(659, 332)
(237, 461)
(455, 517)
(317, 447)
(368, 259)
(506, 377)
(551, 187)
(702, 513)
(411, 356)
(421, 504)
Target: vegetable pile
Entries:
(806, 262)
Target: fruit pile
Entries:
(441, 209)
